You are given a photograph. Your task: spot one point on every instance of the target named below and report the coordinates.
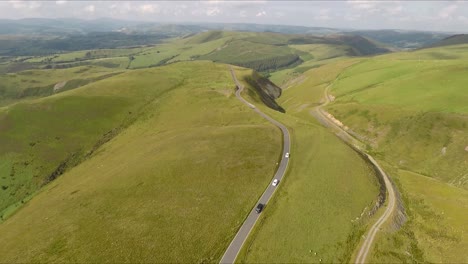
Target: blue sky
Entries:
(420, 15)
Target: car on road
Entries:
(259, 208)
(287, 155)
(275, 182)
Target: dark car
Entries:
(259, 208)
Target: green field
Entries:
(193, 150)
(318, 206)
(411, 110)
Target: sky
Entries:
(408, 15)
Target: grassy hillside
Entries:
(403, 39)
(319, 205)
(190, 166)
(436, 230)
(40, 83)
(254, 55)
(414, 112)
(452, 40)
(411, 110)
(262, 51)
(43, 137)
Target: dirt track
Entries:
(323, 118)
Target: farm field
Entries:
(220, 154)
(319, 206)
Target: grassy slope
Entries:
(436, 229)
(37, 83)
(157, 191)
(39, 135)
(327, 187)
(315, 56)
(411, 110)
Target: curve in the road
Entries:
(369, 239)
(234, 248)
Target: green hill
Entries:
(165, 153)
(452, 40)
(40, 83)
(264, 52)
(401, 38)
(411, 110)
(321, 209)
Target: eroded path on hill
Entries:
(391, 208)
(234, 248)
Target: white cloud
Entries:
(261, 13)
(148, 9)
(279, 14)
(352, 17)
(90, 8)
(362, 5)
(34, 5)
(463, 19)
(213, 11)
(395, 10)
(18, 4)
(447, 11)
(425, 15)
(324, 14)
(212, 2)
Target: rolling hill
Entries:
(402, 39)
(136, 149)
(174, 154)
(452, 40)
(264, 52)
(410, 109)
(322, 206)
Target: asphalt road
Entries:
(236, 244)
(391, 206)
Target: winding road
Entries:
(391, 198)
(234, 248)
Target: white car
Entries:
(287, 155)
(275, 182)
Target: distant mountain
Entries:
(74, 26)
(361, 46)
(402, 39)
(45, 26)
(398, 39)
(452, 40)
